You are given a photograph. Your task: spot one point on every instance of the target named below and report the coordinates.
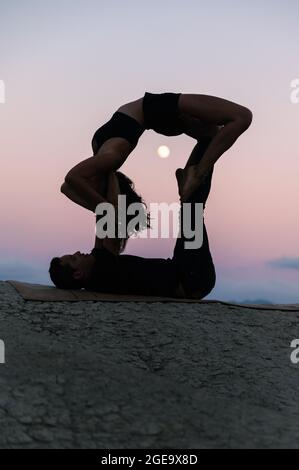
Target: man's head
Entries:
(71, 271)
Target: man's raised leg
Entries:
(196, 266)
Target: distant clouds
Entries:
(22, 271)
(252, 301)
(284, 263)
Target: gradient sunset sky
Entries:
(68, 65)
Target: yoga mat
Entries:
(44, 293)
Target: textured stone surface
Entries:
(118, 375)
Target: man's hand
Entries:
(113, 245)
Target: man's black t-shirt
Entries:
(129, 274)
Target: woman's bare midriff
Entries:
(189, 125)
(134, 109)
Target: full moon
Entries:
(163, 151)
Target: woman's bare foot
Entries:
(188, 181)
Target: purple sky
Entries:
(68, 65)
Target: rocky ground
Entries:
(146, 375)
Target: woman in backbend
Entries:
(190, 273)
(168, 114)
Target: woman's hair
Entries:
(62, 275)
(127, 188)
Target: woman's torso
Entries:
(134, 109)
(185, 123)
(121, 145)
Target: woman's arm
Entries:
(69, 192)
(73, 196)
(81, 187)
(78, 177)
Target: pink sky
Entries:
(66, 74)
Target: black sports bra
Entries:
(120, 125)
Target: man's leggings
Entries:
(196, 267)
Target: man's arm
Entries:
(112, 244)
